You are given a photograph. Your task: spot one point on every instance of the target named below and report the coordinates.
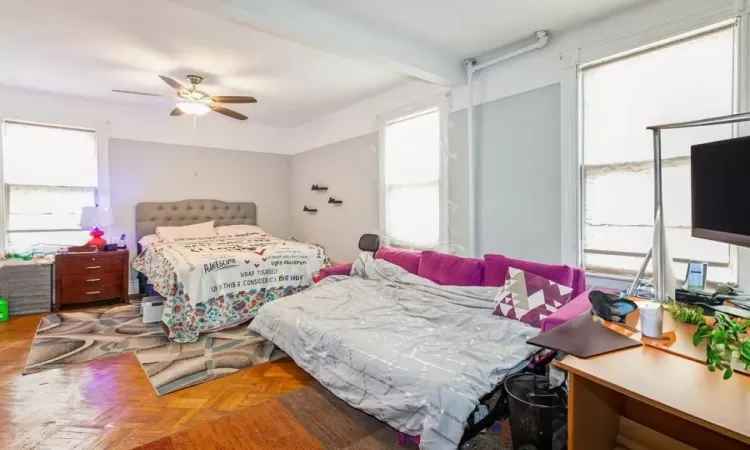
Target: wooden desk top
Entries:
(672, 383)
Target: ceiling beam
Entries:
(329, 32)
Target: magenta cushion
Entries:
(341, 269)
(574, 308)
(405, 259)
(450, 270)
(496, 271)
(531, 298)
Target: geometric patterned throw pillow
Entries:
(530, 298)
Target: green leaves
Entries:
(704, 331)
(681, 312)
(723, 340)
(745, 349)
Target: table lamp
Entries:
(94, 217)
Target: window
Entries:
(50, 173)
(412, 214)
(685, 79)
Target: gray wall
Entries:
(147, 172)
(349, 170)
(518, 176)
(518, 183)
(458, 179)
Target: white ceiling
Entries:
(88, 47)
(473, 27)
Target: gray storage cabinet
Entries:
(27, 287)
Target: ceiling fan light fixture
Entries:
(193, 108)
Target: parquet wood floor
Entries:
(268, 426)
(109, 403)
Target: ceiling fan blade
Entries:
(176, 112)
(121, 91)
(228, 112)
(172, 82)
(233, 99)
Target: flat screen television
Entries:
(720, 180)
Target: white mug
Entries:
(652, 319)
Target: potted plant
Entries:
(724, 343)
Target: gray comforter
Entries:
(414, 354)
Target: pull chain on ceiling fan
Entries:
(194, 102)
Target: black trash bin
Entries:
(538, 413)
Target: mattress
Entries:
(216, 281)
(414, 354)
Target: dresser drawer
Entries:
(90, 266)
(92, 280)
(90, 288)
(91, 277)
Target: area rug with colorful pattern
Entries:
(69, 338)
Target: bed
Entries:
(212, 282)
(414, 354)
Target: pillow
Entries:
(496, 270)
(450, 270)
(148, 240)
(238, 229)
(197, 230)
(530, 298)
(406, 259)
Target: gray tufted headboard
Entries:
(150, 215)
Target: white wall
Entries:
(360, 118)
(534, 70)
(148, 123)
(611, 35)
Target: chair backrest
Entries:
(369, 243)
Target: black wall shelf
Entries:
(334, 201)
(315, 187)
(310, 210)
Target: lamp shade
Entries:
(95, 216)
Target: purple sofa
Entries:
(491, 271)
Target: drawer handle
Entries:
(93, 280)
(93, 292)
(94, 267)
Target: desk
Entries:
(649, 398)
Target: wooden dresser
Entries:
(91, 277)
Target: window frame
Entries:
(100, 130)
(441, 104)
(572, 188)
(642, 50)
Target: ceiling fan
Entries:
(194, 102)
